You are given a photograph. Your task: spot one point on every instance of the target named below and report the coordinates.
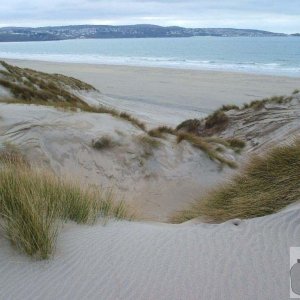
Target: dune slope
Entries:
(150, 261)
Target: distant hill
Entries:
(20, 34)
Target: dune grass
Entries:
(133, 120)
(217, 121)
(159, 132)
(191, 125)
(206, 147)
(266, 185)
(105, 142)
(32, 87)
(34, 203)
(260, 104)
(148, 141)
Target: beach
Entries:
(150, 254)
(158, 92)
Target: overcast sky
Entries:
(273, 15)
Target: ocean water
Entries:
(266, 55)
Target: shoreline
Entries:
(183, 67)
(179, 89)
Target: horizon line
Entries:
(148, 24)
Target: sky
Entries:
(272, 15)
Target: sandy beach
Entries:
(157, 177)
(185, 93)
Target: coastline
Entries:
(191, 91)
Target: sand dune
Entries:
(267, 127)
(237, 259)
(151, 261)
(157, 182)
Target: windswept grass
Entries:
(265, 186)
(217, 121)
(33, 203)
(260, 104)
(159, 132)
(190, 126)
(206, 147)
(133, 120)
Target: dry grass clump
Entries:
(265, 186)
(206, 147)
(217, 121)
(160, 131)
(133, 120)
(229, 107)
(191, 125)
(105, 142)
(33, 203)
(236, 143)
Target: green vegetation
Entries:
(265, 186)
(296, 92)
(206, 147)
(33, 203)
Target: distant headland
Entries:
(22, 34)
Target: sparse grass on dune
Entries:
(260, 104)
(33, 203)
(190, 126)
(159, 132)
(206, 147)
(37, 77)
(219, 120)
(32, 87)
(148, 141)
(266, 185)
(133, 120)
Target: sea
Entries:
(263, 55)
